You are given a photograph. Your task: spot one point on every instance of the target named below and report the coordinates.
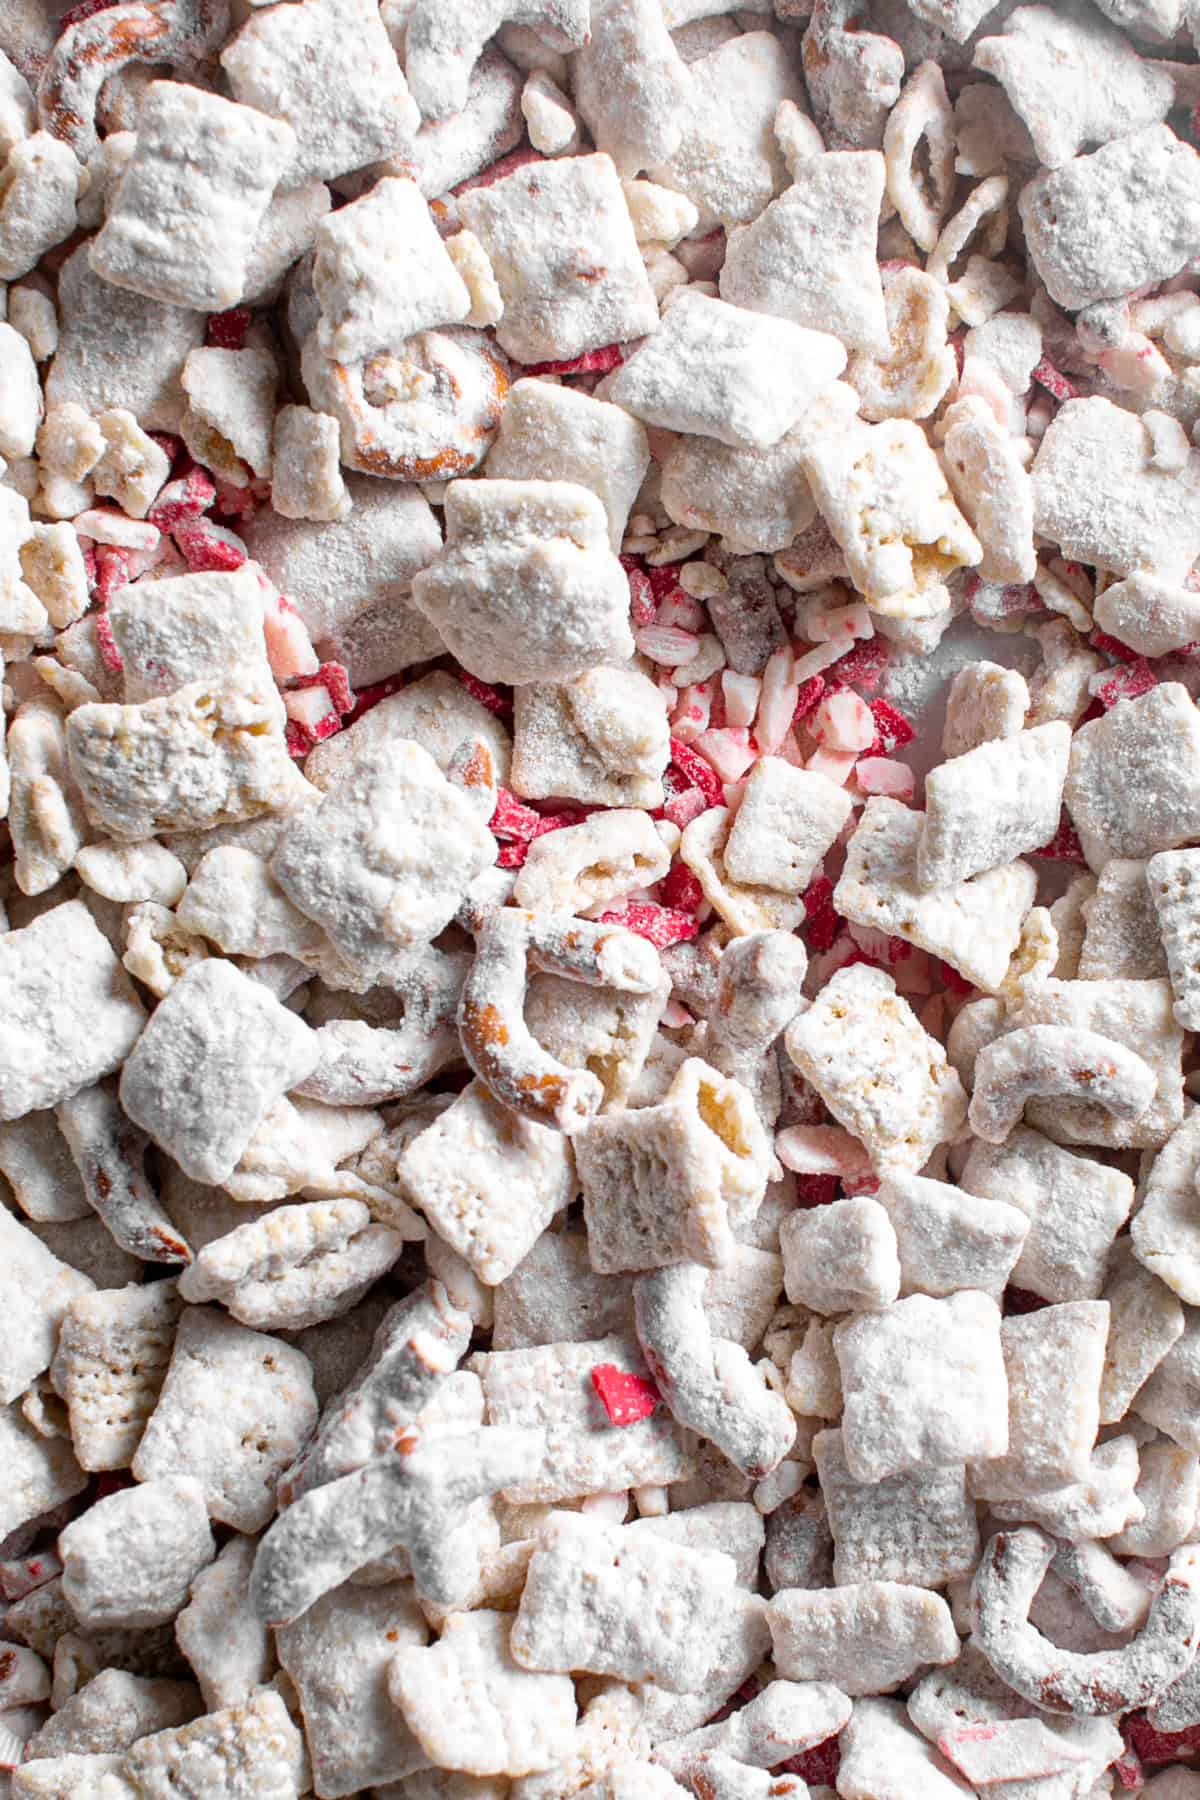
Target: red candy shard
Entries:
(110, 656)
(591, 362)
(1132, 679)
(808, 695)
(699, 773)
(1056, 384)
(661, 926)
(816, 1190)
(368, 697)
(818, 1766)
(860, 1184)
(571, 815)
(1111, 646)
(958, 984)
(822, 920)
(894, 730)
(333, 678)
(112, 572)
(1129, 1772)
(1153, 1746)
(682, 808)
(205, 546)
(1021, 1300)
(227, 330)
(625, 1398)
(299, 742)
(511, 856)
(681, 890)
(663, 581)
(183, 500)
(864, 665)
(485, 693)
(1064, 846)
(513, 819)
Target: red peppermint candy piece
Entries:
(818, 1766)
(299, 741)
(591, 362)
(368, 697)
(205, 546)
(1158, 1746)
(1056, 384)
(823, 921)
(487, 695)
(1127, 683)
(661, 926)
(106, 643)
(663, 580)
(625, 1398)
(816, 1190)
(1020, 1300)
(1064, 846)
(333, 678)
(864, 665)
(860, 1184)
(681, 889)
(1111, 646)
(893, 728)
(227, 330)
(512, 856)
(1129, 1772)
(958, 984)
(183, 500)
(698, 772)
(112, 572)
(808, 695)
(513, 819)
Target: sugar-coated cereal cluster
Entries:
(599, 899)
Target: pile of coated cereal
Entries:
(599, 900)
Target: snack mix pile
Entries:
(599, 1160)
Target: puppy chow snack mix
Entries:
(599, 900)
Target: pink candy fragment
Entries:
(205, 546)
(625, 1398)
(661, 926)
(881, 775)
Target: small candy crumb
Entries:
(1060, 386)
(823, 921)
(487, 695)
(1064, 846)
(227, 330)
(625, 1398)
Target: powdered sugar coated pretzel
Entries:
(443, 42)
(415, 1493)
(1037, 1061)
(108, 41)
(708, 1382)
(496, 1041)
(1009, 1575)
